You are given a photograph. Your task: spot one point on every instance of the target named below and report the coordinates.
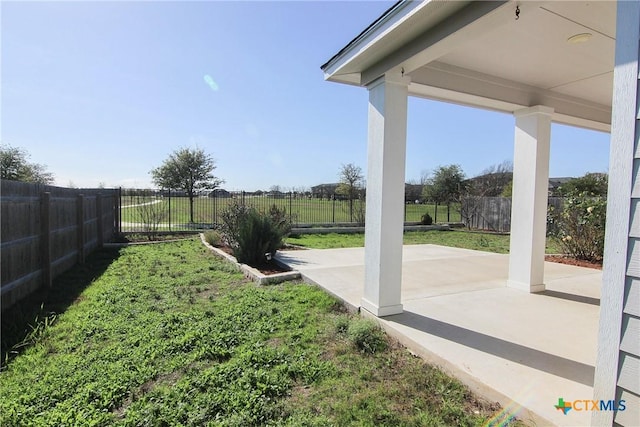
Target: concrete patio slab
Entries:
(523, 350)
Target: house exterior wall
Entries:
(618, 359)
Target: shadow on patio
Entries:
(523, 350)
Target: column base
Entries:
(377, 311)
(526, 287)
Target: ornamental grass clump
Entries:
(579, 227)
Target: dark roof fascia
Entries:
(363, 33)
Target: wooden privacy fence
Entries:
(45, 230)
(493, 213)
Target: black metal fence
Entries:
(169, 210)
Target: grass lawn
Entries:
(489, 242)
(168, 334)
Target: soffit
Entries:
(534, 51)
(493, 60)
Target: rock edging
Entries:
(250, 272)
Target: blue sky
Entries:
(102, 92)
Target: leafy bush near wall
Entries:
(580, 226)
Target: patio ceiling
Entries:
(479, 54)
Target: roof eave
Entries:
(337, 67)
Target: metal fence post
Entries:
(435, 214)
(169, 194)
(334, 208)
(214, 219)
(448, 212)
(290, 206)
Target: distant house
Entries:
(276, 194)
(324, 191)
(220, 193)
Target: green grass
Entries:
(168, 334)
(303, 210)
(489, 242)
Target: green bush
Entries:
(231, 219)
(426, 219)
(579, 226)
(254, 236)
(280, 220)
(367, 336)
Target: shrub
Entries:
(280, 220)
(252, 234)
(151, 214)
(426, 219)
(213, 238)
(579, 226)
(367, 336)
(231, 218)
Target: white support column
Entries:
(385, 195)
(530, 198)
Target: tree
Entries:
(493, 180)
(189, 170)
(350, 181)
(14, 165)
(507, 191)
(412, 192)
(350, 186)
(594, 184)
(445, 185)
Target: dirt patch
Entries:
(572, 261)
(271, 268)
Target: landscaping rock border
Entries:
(252, 273)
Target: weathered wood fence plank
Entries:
(493, 213)
(45, 230)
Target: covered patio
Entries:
(507, 345)
(573, 62)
